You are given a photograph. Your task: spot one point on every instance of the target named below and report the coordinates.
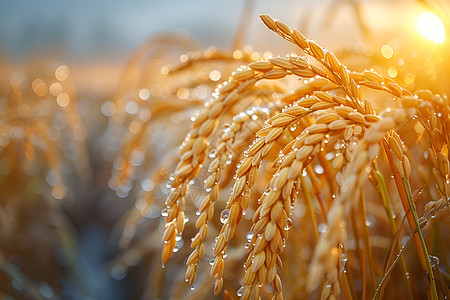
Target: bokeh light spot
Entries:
(62, 72)
(392, 71)
(387, 51)
(63, 99)
(215, 75)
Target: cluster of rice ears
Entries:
(292, 172)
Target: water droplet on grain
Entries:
(240, 291)
(322, 228)
(165, 212)
(318, 169)
(370, 221)
(224, 215)
(288, 224)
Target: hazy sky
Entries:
(111, 28)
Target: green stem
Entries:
(394, 263)
(411, 216)
(432, 280)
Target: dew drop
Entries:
(192, 287)
(434, 260)
(322, 228)
(224, 215)
(211, 262)
(240, 291)
(249, 236)
(370, 221)
(318, 169)
(288, 224)
(165, 212)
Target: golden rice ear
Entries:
(269, 22)
(294, 142)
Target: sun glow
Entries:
(430, 27)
